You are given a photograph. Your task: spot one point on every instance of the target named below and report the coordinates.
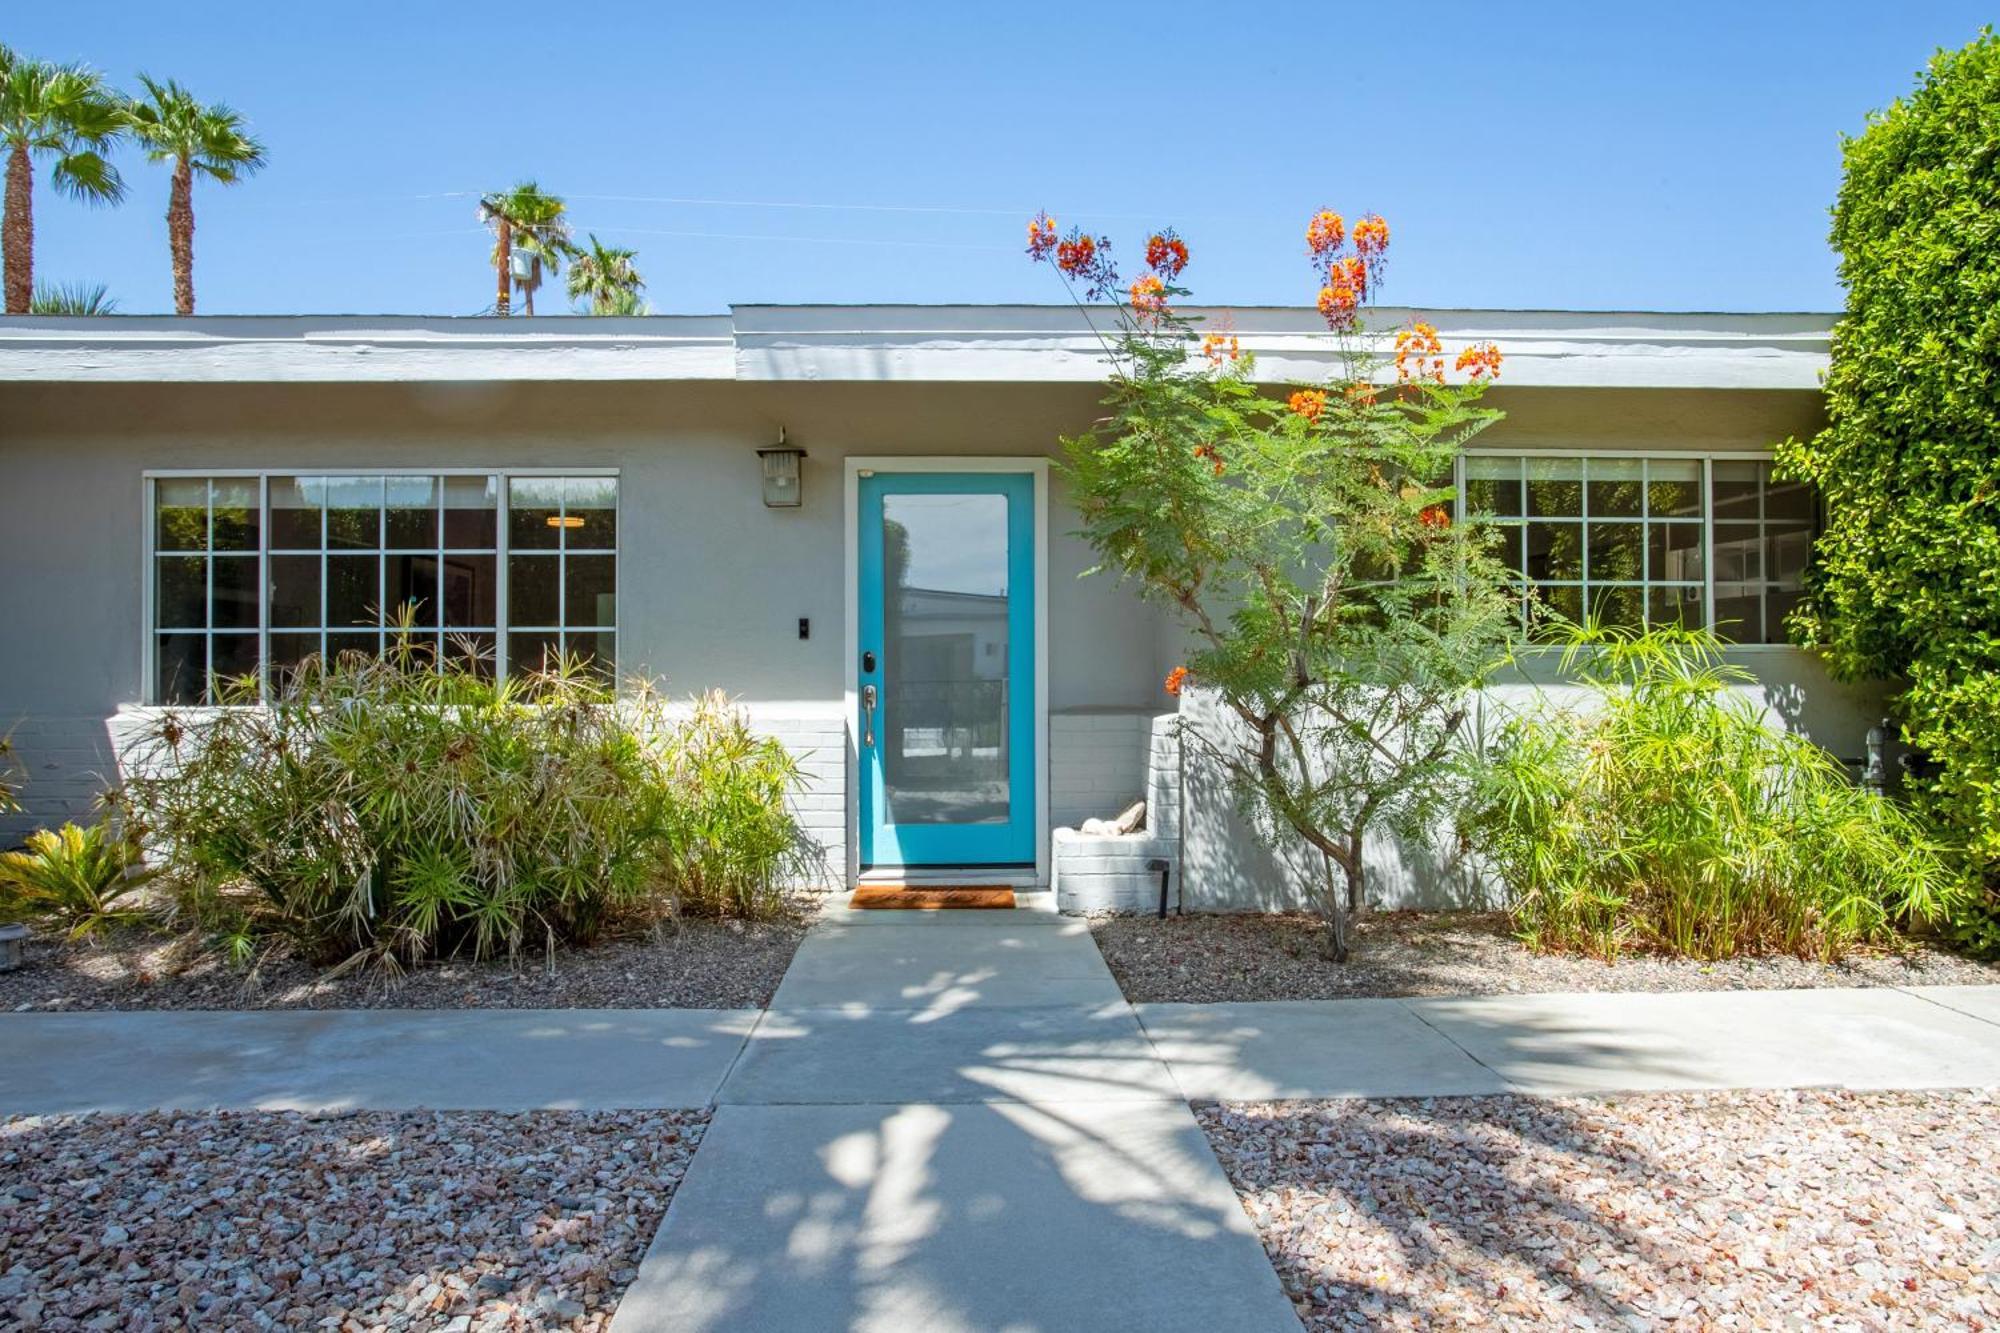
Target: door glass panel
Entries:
(945, 660)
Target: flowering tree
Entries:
(1341, 615)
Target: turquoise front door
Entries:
(946, 679)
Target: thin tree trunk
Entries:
(17, 234)
(505, 263)
(1332, 907)
(180, 235)
(534, 281)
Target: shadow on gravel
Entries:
(1447, 1211)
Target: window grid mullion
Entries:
(562, 569)
(1708, 542)
(263, 588)
(503, 501)
(208, 590)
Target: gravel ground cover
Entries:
(1739, 1210)
(697, 965)
(1209, 959)
(471, 1223)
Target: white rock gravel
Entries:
(1739, 1210)
(1212, 959)
(347, 1223)
(693, 965)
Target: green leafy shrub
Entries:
(1343, 618)
(1666, 815)
(386, 810)
(1903, 586)
(74, 876)
(732, 845)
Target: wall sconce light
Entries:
(782, 489)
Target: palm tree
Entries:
(214, 140)
(65, 112)
(605, 280)
(532, 221)
(72, 298)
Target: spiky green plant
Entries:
(74, 876)
(385, 810)
(73, 298)
(1665, 814)
(733, 844)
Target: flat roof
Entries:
(885, 343)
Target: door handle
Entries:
(868, 711)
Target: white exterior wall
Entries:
(712, 583)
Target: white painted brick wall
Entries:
(1116, 759)
(64, 763)
(1097, 764)
(819, 743)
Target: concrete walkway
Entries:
(368, 1059)
(954, 1122)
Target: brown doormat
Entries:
(906, 898)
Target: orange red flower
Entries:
(1371, 236)
(1075, 255)
(1435, 517)
(1211, 455)
(1345, 279)
(1219, 349)
(1149, 297)
(1325, 233)
(1338, 302)
(1084, 258)
(1041, 236)
(1419, 354)
(1166, 254)
(1308, 403)
(1482, 360)
(1176, 679)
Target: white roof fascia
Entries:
(1012, 344)
(341, 348)
(1054, 343)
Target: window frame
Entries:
(1706, 458)
(501, 476)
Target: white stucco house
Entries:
(843, 516)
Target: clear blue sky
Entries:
(1590, 155)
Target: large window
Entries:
(1649, 540)
(500, 569)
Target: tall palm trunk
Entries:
(17, 234)
(505, 263)
(534, 281)
(180, 235)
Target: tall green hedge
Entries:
(1907, 585)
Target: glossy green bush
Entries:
(1665, 815)
(383, 810)
(1907, 579)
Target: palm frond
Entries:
(67, 112)
(73, 298)
(174, 125)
